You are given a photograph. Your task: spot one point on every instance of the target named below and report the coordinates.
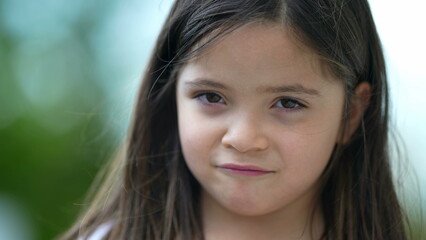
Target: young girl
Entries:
(256, 119)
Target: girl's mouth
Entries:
(245, 170)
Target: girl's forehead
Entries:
(267, 51)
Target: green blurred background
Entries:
(69, 71)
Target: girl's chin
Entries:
(244, 207)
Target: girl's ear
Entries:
(359, 103)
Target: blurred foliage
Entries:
(54, 131)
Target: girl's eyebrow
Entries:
(205, 83)
(294, 88)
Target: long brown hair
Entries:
(151, 194)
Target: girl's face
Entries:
(258, 121)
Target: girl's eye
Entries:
(288, 103)
(210, 98)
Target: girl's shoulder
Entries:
(99, 233)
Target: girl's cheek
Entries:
(194, 125)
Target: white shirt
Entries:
(99, 233)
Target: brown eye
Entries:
(288, 103)
(211, 97)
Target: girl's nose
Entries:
(244, 136)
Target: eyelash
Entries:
(203, 98)
(298, 104)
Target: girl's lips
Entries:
(246, 170)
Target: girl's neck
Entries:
(294, 222)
